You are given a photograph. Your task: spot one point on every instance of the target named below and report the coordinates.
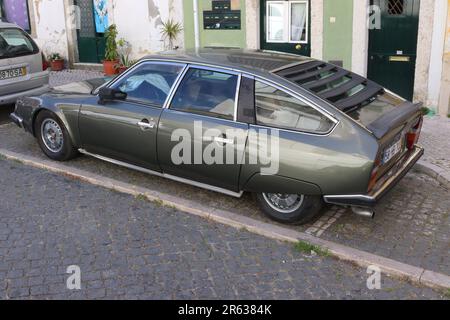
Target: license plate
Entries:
(13, 73)
(392, 151)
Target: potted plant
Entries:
(124, 49)
(56, 62)
(111, 54)
(170, 31)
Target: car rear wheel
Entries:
(290, 208)
(53, 137)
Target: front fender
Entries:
(67, 112)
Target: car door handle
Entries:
(146, 125)
(223, 140)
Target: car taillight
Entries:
(374, 175)
(45, 65)
(412, 137)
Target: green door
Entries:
(393, 48)
(91, 45)
(286, 27)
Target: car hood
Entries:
(80, 87)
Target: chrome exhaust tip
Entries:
(364, 212)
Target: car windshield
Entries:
(15, 43)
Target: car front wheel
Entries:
(53, 137)
(290, 208)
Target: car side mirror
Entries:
(108, 94)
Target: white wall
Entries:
(140, 24)
(50, 24)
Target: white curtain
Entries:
(298, 21)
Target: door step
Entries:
(88, 66)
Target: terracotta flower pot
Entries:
(110, 67)
(57, 65)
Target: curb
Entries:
(435, 172)
(388, 266)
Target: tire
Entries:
(303, 209)
(57, 144)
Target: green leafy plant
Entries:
(111, 53)
(54, 57)
(425, 111)
(308, 248)
(170, 31)
(448, 116)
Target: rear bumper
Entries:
(370, 200)
(12, 98)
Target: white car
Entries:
(23, 70)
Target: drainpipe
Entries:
(196, 26)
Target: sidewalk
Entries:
(435, 138)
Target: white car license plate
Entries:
(13, 73)
(392, 151)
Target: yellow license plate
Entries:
(13, 73)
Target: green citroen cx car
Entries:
(294, 131)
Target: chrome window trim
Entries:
(165, 175)
(244, 73)
(236, 99)
(175, 86)
(305, 101)
(120, 77)
(219, 70)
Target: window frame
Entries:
(302, 100)
(213, 69)
(114, 82)
(287, 17)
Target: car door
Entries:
(199, 138)
(126, 130)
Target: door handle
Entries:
(223, 140)
(146, 125)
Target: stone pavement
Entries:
(128, 248)
(436, 138)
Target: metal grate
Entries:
(396, 7)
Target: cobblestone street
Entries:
(129, 248)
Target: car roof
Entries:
(343, 89)
(251, 61)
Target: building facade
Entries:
(402, 44)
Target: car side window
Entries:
(207, 93)
(150, 83)
(276, 108)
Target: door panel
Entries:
(283, 26)
(113, 130)
(393, 48)
(219, 175)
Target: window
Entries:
(15, 43)
(207, 93)
(149, 83)
(276, 108)
(396, 7)
(16, 11)
(287, 21)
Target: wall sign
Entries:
(225, 15)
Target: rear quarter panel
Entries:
(338, 163)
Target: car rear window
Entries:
(16, 43)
